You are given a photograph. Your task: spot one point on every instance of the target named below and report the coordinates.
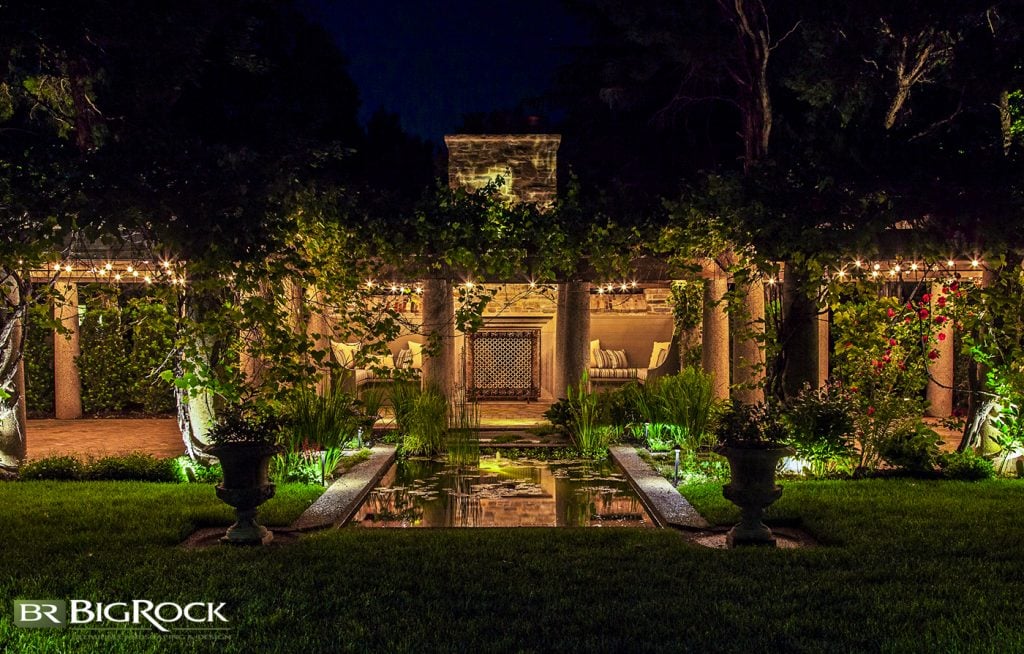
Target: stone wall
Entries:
(527, 163)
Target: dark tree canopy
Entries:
(871, 113)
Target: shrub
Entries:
(105, 364)
(39, 360)
(193, 471)
(152, 339)
(132, 467)
(559, 415)
(967, 466)
(619, 407)
(912, 446)
(56, 468)
(823, 428)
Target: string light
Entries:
(975, 263)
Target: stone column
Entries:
(67, 386)
(800, 338)
(319, 333)
(572, 335)
(823, 342)
(439, 328)
(715, 340)
(940, 371)
(747, 346)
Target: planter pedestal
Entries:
(246, 485)
(246, 501)
(752, 488)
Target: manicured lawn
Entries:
(907, 566)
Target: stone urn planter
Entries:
(752, 488)
(244, 439)
(245, 487)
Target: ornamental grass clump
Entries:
(425, 420)
(590, 437)
(318, 427)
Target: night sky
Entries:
(433, 61)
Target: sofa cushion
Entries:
(610, 359)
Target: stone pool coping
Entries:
(663, 501)
(342, 498)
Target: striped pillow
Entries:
(403, 359)
(610, 359)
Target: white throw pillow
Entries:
(659, 354)
(345, 353)
(417, 354)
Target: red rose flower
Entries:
(923, 314)
(871, 410)
(892, 342)
(942, 336)
(940, 319)
(927, 297)
(889, 312)
(942, 300)
(933, 355)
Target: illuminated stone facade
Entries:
(527, 163)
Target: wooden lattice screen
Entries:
(504, 365)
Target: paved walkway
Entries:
(93, 438)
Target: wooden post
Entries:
(67, 385)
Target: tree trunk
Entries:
(12, 375)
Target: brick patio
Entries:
(93, 438)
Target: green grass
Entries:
(908, 566)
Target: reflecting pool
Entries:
(502, 492)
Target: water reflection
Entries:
(503, 493)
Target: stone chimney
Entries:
(527, 164)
